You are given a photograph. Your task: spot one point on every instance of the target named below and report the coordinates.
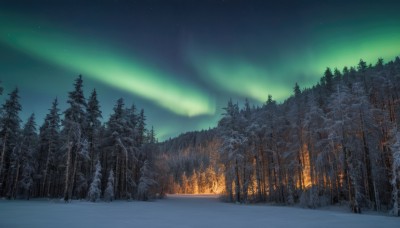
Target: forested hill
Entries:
(189, 139)
(337, 142)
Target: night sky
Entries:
(182, 60)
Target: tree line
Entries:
(193, 163)
(335, 143)
(73, 155)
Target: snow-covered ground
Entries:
(176, 211)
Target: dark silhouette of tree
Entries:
(9, 130)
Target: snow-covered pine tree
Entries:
(9, 129)
(336, 125)
(28, 149)
(328, 77)
(73, 123)
(314, 123)
(94, 192)
(49, 147)
(395, 172)
(295, 117)
(233, 139)
(14, 174)
(92, 129)
(141, 129)
(118, 143)
(109, 192)
(146, 181)
(272, 158)
(22, 162)
(132, 149)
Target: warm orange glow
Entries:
(306, 167)
(207, 182)
(206, 178)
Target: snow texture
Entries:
(176, 211)
(95, 187)
(109, 192)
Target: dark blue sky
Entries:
(182, 60)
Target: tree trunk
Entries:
(237, 183)
(258, 177)
(47, 190)
(377, 198)
(117, 179)
(126, 174)
(15, 187)
(369, 180)
(67, 171)
(43, 187)
(3, 154)
(73, 180)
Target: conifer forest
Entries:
(337, 142)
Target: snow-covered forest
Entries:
(73, 155)
(335, 143)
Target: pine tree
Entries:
(141, 129)
(22, 162)
(146, 181)
(76, 114)
(314, 123)
(28, 145)
(49, 146)
(233, 139)
(152, 136)
(120, 143)
(109, 192)
(362, 66)
(95, 187)
(328, 80)
(270, 100)
(337, 76)
(379, 64)
(9, 128)
(395, 172)
(346, 74)
(115, 135)
(132, 118)
(296, 91)
(74, 138)
(140, 141)
(92, 128)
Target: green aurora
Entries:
(331, 48)
(99, 61)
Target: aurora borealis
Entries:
(101, 63)
(182, 60)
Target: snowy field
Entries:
(176, 211)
